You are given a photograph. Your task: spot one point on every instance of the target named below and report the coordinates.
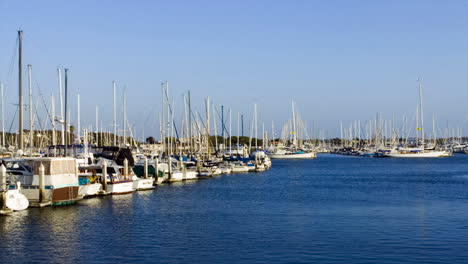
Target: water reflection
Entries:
(337, 210)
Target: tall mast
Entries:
(190, 120)
(263, 135)
(185, 127)
(417, 124)
(207, 102)
(54, 140)
(66, 109)
(256, 134)
(97, 125)
(242, 125)
(115, 115)
(230, 130)
(61, 104)
(222, 122)
(238, 132)
(161, 119)
(294, 124)
(272, 132)
(421, 112)
(78, 119)
(169, 119)
(215, 130)
(3, 118)
(125, 116)
(20, 79)
(31, 131)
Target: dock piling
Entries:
(42, 194)
(125, 168)
(104, 176)
(3, 176)
(3, 192)
(146, 168)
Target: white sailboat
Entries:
(293, 151)
(420, 151)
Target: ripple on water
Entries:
(329, 210)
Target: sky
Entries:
(338, 60)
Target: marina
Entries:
(348, 209)
(234, 132)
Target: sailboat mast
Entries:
(238, 132)
(215, 128)
(115, 114)
(294, 124)
(31, 132)
(125, 116)
(242, 125)
(190, 122)
(230, 130)
(263, 135)
(54, 141)
(66, 109)
(20, 79)
(207, 102)
(161, 120)
(78, 119)
(256, 134)
(3, 118)
(97, 125)
(421, 112)
(61, 104)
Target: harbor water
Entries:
(333, 209)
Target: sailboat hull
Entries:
(429, 154)
(308, 155)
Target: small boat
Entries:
(239, 167)
(120, 187)
(141, 184)
(292, 154)
(116, 181)
(416, 153)
(60, 177)
(15, 200)
(175, 176)
(90, 184)
(205, 174)
(190, 175)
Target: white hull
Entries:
(15, 200)
(143, 184)
(225, 170)
(217, 171)
(428, 154)
(159, 180)
(240, 169)
(120, 187)
(191, 175)
(309, 155)
(176, 176)
(260, 168)
(90, 189)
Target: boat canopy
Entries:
(52, 166)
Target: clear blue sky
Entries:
(339, 60)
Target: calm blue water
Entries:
(333, 209)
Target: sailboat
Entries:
(293, 151)
(420, 151)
